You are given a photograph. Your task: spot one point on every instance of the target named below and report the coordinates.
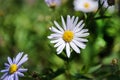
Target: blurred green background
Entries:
(24, 27)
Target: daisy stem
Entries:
(85, 15)
(99, 9)
(106, 9)
(67, 66)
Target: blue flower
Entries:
(13, 68)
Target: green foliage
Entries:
(24, 26)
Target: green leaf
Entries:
(95, 68)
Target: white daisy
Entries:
(70, 35)
(85, 5)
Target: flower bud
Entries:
(53, 3)
(114, 61)
(111, 2)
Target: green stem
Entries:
(67, 66)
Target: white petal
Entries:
(53, 29)
(80, 39)
(75, 48)
(56, 40)
(82, 31)
(79, 44)
(72, 19)
(68, 50)
(60, 48)
(81, 35)
(75, 22)
(77, 29)
(68, 22)
(58, 26)
(71, 23)
(56, 35)
(63, 23)
(50, 37)
(59, 43)
(78, 25)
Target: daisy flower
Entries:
(53, 3)
(85, 5)
(69, 36)
(13, 68)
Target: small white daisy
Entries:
(70, 35)
(13, 68)
(53, 3)
(85, 5)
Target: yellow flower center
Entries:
(86, 5)
(68, 36)
(13, 68)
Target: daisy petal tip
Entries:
(49, 37)
(55, 46)
(20, 53)
(61, 16)
(87, 34)
(68, 56)
(55, 22)
(51, 41)
(50, 28)
(78, 51)
(68, 15)
(58, 53)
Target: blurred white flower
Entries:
(85, 5)
(53, 3)
(70, 35)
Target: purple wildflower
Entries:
(53, 3)
(13, 68)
